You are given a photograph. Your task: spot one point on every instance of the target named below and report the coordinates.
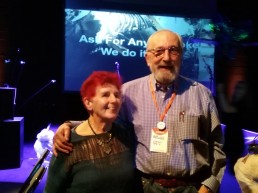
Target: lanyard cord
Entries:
(162, 116)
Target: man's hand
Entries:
(61, 139)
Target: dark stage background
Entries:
(37, 38)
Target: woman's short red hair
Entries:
(99, 78)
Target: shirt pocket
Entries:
(188, 136)
(188, 127)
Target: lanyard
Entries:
(162, 116)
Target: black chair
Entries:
(36, 175)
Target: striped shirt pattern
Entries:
(195, 137)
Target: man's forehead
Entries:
(164, 41)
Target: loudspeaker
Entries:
(11, 143)
(7, 101)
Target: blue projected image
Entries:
(116, 41)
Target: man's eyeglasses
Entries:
(159, 52)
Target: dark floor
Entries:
(12, 179)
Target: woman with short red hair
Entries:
(102, 157)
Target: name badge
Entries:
(159, 140)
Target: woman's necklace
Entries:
(103, 141)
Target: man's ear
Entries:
(148, 59)
(87, 103)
